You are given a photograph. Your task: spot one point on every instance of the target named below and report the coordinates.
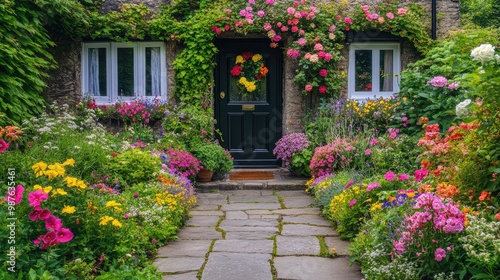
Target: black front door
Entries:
(248, 100)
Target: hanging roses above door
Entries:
(248, 71)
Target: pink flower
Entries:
(36, 197)
(284, 29)
(365, 8)
(332, 28)
(294, 29)
(403, 177)
(401, 11)
(323, 72)
(420, 174)
(389, 15)
(290, 11)
(261, 13)
(267, 26)
(48, 239)
(328, 56)
(309, 87)
(293, 53)
(322, 89)
(347, 20)
(349, 184)
(368, 152)
(3, 145)
(243, 13)
(53, 223)
(439, 254)
(252, 2)
(352, 202)
(453, 85)
(64, 235)
(389, 176)
(399, 246)
(269, 2)
(302, 41)
(438, 81)
(39, 213)
(318, 47)
(15, 196)
(374, 16)
(276, 38)
(372, 186)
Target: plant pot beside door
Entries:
(204, 175)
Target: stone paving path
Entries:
(256, 235)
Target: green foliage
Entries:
(134, 166)
(450, 59)
(187, 126)
(213, 157)
(485, 13)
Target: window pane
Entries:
(97, 71)
(363, 70)
(386, 70)
(153, 71)
(125, 72)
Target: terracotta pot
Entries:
(204, 175)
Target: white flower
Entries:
(461, 108)
(483, 53)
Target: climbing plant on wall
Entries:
(316, 34)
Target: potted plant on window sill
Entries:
(214, 159)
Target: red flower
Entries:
(113, 154)
(236, 71)
(247, 55)
(485, 196)
(322, 89)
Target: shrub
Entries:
(213, 157)
(293, 150)
(183, 163)
(134, 166)
(331, 157)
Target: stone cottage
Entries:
(119, 71)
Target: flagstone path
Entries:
(256, 235)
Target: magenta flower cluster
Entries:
(433, 217)
(136, 112)
(183, 163)
(55, 232)
(289, 145)
(331, 157)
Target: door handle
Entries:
(222, 95)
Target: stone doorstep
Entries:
(251, 185)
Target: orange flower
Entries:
(425, 164)
(485, 196)
(425, 188)
(445, 190)
(497, 216)
(263, 70)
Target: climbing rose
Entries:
(323, 72)
(438, 81)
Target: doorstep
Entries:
(283, 180)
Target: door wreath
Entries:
(248, 71)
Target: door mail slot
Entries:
(248, 107)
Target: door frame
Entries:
(277, 98)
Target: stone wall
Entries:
(113, 5)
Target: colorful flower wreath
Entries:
(248, 70)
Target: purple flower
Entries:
(368, 152)
(453, 85)
(181, 115)
(136, 195)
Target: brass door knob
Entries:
(222, 95)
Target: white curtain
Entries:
(94, 72)
(155, 71)
(388, 71)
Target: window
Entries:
(373, 70)
(113, 72)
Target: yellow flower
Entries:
(58, 168)
(116, 223)
(59, 191)
(239, 59)
(39, 168)
(376, 206)
(114, 204)
(45, 190)
(70, 181)
(68, 209)
(69, 161)
(105, 220)
(81, 184)
(51, 174)
(256, 57)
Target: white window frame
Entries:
(113, 95)
(375, 48)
